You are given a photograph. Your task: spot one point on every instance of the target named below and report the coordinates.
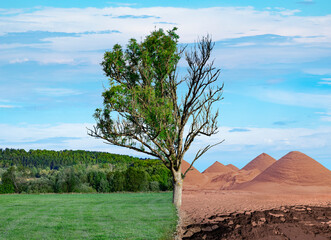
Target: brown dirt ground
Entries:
(201, 211)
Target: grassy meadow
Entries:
(87, 216)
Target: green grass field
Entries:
(87, 216)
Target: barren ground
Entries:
(230, 214)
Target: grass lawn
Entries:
(87, 216)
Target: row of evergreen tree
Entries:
(33, 172)
(57, 159)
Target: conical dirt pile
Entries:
(261, 162)
(233, 167)
(296, 168)
(193, 177)
(217, 168)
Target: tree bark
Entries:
(178, 188)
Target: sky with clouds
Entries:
(275, 58)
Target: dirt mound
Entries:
(231, 179)
(193, 177)
(296, 222)
(296, 168)
(261, 162)
(218, 168)
(214, 171)
(233, 167)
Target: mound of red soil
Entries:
(231, 179)
(193, 177)
(217, 168)
(296, 168)
(261, 162)
(233, 167)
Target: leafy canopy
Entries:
(141, 110)
(140, 78)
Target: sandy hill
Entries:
(217, 168)
(296, 168)
(224, 177)
(261, 162)
(233, 167)
(231, 179)
(295, 172)
(193, 177)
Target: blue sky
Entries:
(275, 58)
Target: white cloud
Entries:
(263, 55)
(325, 116)
(57, 92)
(7, 106)
(276, 139)
(19, 60)
(318, 71)
(325, 81)
(239, 146)
(245, 44)
(4, 103)
(74, 137)
(310, 100)
(296, 99)
(32, 136)
(221, 22)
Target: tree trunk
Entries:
(178, 188)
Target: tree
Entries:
(8, 184)
(141, 107)
(136, 180)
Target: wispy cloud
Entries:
(57, 137)
(57, 92)
(297, 98)
(325, 81)
(325, 116)
(283, 123)
(318, 71)
(136, 16)
(65, 31)
(306, 2)
(307, 100)
(8, 106)
(74, 136)
(192, 22)
(239, 130)
(280, 138)
(18, 60)
(169, 23)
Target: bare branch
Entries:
(199, 154)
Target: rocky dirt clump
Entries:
(287, 222)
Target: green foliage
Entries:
(136, 180)
(84, 188)
(7, 188)
(56, 159)
(104, 186)
(118, 183)
(141, 79)
(8, 181)
(40, 185)
(154, 186)
(95, 177)
(131, 175)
